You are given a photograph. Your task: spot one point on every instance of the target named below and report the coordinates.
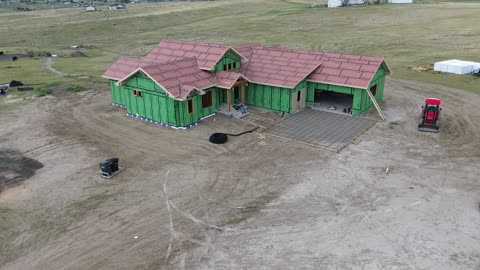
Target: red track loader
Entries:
(430, 118)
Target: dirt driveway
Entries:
(254, 203)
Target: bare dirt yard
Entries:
(394, 199)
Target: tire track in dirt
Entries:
(244, 186)
(460, 132)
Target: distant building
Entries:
(91, 8)
(116, 7)
(339, 3)
(400, 1)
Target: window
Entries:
(207, 99)
(224, 67)
(236, 93)
(299, 94)
(190, 106)
(373, 89)
(234, 65)
(137, 93)
(229, 66)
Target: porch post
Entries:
(229, 100)
(243, 94)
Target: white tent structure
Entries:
(456, 66)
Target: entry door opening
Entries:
(236, 94)
(333, 102)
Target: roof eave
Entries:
(151, 78)
(338, 84)
(111, 78)
(386, 67)
(271, 84)
(239, 76)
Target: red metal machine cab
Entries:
(430, 118)
(433, 101)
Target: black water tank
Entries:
(109, 166)
(114, 162)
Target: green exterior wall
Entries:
(229, 58)
(156, 105)
(271, 97)
(118, 93)
(185, 118)
(361, 100)
(379, 81)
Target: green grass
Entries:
(405, 35)
(46, 89)
(75, 88)
(30, 72)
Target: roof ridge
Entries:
(172, 62)
(251, 57)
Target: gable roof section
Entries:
(177, 78)
(124, 66)
(357, 71)
(277, 66)
(207, 54)
(226, 79)
(340, 69)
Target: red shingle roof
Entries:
(226, 79)
(276, 66)
(124, 66)
(178, 78)
(342, 69)
(177, 67)
(207, 54)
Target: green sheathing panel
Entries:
(271, 97)
(222, 95)
(185, 118)
(361, 100)
(118, 93)
(147, 99)
(115, 92)
(154, 104)
(229, 58)
(379, 81)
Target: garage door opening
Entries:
(333, 102)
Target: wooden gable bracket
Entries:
(374, 101)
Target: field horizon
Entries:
(405, 35)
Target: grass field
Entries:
(405, 35)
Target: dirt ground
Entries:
(395, 199)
